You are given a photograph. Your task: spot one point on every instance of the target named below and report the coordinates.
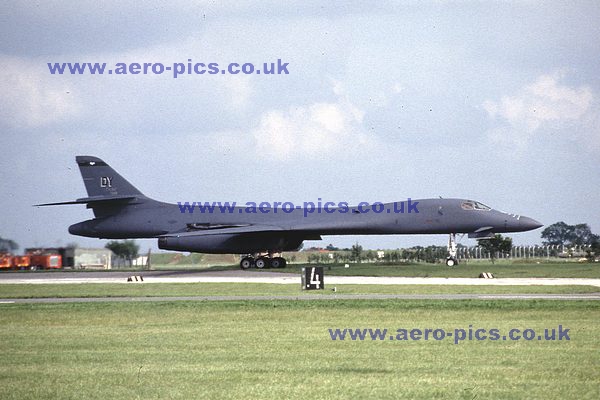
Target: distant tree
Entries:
(593, 250)
(356, 253)
(345, 256)
(582, 235)
(557, 234)
(498, 244)
(313, 258)
(331, 247)
(417, 253)
(8, 245)
(388, 255)
(337, 257)
(428, 254)
(127, 249)
(432, 254)
(195, 258)
(563, 234)
(405, 255)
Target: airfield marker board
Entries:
(312, 278)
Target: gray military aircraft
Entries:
(122, 212)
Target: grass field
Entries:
(282, 349)
(11, 291)
(465, 270)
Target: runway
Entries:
(239, 276)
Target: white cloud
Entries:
(312, 131)
(368, 93)
(397, 88)
(29, 99)
(238, 89)
(543, 106)
(32, 97)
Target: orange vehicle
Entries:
(45, 261)
(21, 262)
(5, 261)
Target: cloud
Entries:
(397, 88)
(30, 96)
(547, 105)
(29, 99)
(238, 90)
(313, 131)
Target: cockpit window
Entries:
(474, 205)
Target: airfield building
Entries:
(79, 257)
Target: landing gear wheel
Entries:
(262, 262)
(278, 262)
(247, 262)
(451, 262)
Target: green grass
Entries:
(464, 270)
(11, 291)
(282, 349)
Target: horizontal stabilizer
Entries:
(91, 200)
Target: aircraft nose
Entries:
(528, 224)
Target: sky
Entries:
(494, 101)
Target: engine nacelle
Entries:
(231, 243)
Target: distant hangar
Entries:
(79, 257)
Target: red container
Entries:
(46, 261)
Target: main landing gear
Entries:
(452, 259)
(262, 261)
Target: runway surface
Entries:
(309, 297)
(239, 276)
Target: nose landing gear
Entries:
(452, 259)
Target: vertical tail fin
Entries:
(102, 181)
